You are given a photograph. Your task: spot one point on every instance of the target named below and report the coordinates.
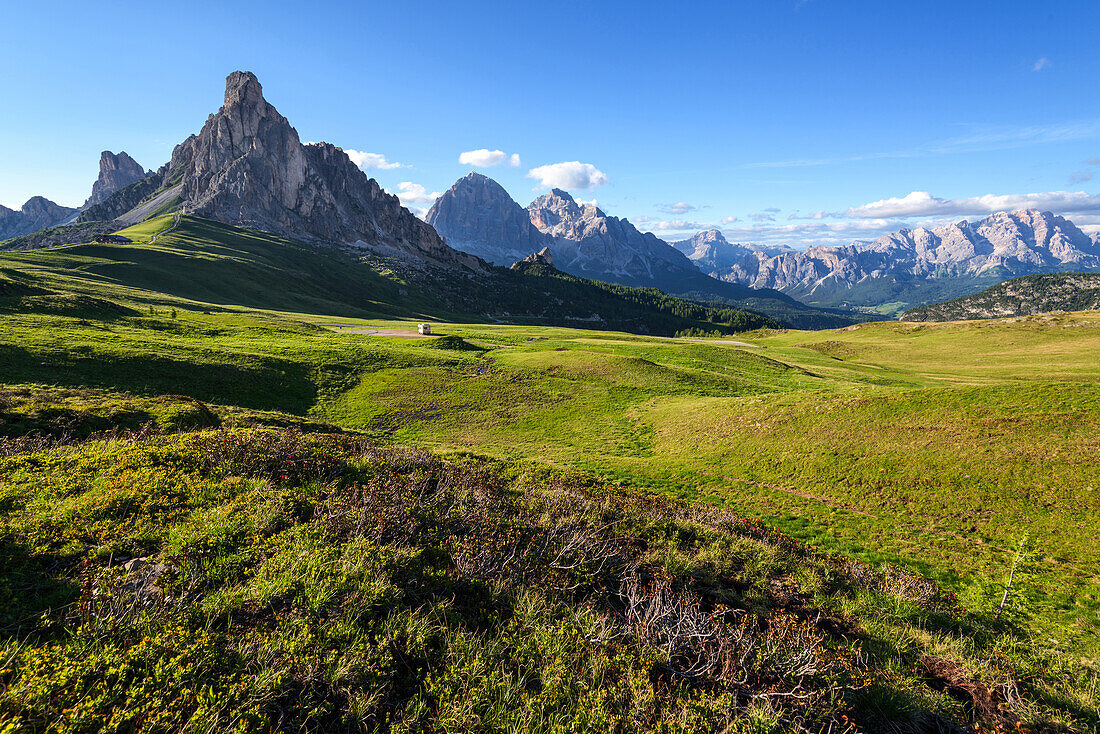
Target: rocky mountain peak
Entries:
(242, 87)
(710, 237)
(477, 215)
(245, 108)
(556, 213)
(542, 257)
(116, 171)
(589, 243)
(37, 213)
(248, 167)
(710, 250)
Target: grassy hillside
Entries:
(1032, 294)
(964, 452)
(261, 270)
(199, 261)
(936, 447)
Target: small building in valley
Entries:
(112, 239)
(425, 329)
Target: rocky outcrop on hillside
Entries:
(1026, 296)
(36, 214)
(60, 235)
(477, 216)
(116, 171)
(1020, 242)
(542, 257)
(247, 167)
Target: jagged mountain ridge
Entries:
(247, 167)
(37, 213)
(478, 216)
(1000, 245)
(589, 243)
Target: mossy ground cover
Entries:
(252, 580)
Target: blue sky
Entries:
(781, 121)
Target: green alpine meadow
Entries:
(273, 510)
(595, 368)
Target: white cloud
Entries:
(1041, 64)
(764, 216)
(672, 229)
(730, 220)
(415, 197)
(676, 225)
(569, 175)
(679, 207)
(484, 158)
(589, 202)
(368, 161)
(923, 204)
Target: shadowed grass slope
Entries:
(198, 262)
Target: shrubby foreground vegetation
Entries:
(254, 578)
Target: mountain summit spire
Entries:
(242, 86)
(247, 167)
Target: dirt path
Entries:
(175, 223)
(724, 341)
(398, 333)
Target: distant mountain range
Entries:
(247, 167)
(478, 216)
(38, 213)
(1026, 296)
(911, 266)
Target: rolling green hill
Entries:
(200, 261)
(854, 499)
(501, 294)
(1026, 296)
